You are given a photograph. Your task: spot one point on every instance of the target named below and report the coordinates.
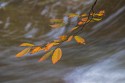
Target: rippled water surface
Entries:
(101, 60)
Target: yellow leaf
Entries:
(102, 12)
(44, 57)
(99, 14)
(26, 44)
(23, 52)
(84, 15)
(56, 20)
(55, 26)
(57, 41)
(73, 29)
(79, 40)
(97, 19)
(36, 49)
(56, 55)
(71, 15)
(70, 38)
(90, 21)
(59, 25)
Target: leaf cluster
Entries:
(53, 48)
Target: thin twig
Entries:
(89, 18)
(79, 29)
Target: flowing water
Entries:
(101, 60)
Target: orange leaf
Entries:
(48, 46)
(36, 49)
(26, 44)
(79, 40)
(63, 37)
(84, 19)
(70, 38)
(23, 52)
(56, 55)
(80, 23)
(44, 57)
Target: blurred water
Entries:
(101, 60)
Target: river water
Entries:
(101, 60)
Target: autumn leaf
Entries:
(35, 50)
(80, 23)
(90, 21)
(71, 15)
(26, 44)
(57, 25)
(79, 39)
(63, 37)
(48, 46)
(56, 20)
(84, 19)
(99, 14)
(57, 41)
(70, 38)
(23, 52)
(97, 19)
(102, 12)
(84, 15)
(44, 57)
(73, 29)
(56, 55)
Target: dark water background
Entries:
(101, 60)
